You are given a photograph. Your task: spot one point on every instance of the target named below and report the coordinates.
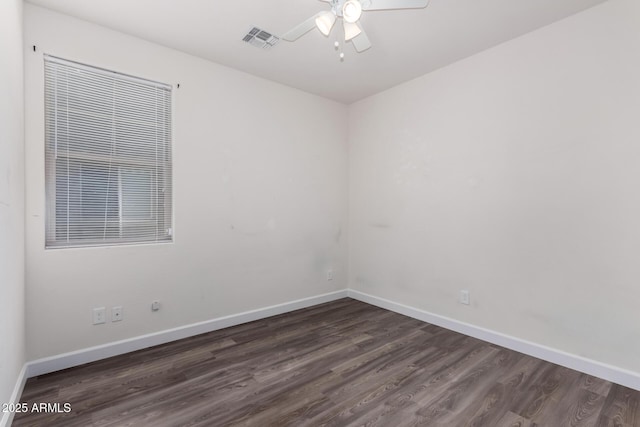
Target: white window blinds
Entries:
(107, 157)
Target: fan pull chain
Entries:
(341, 53)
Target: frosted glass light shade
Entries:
(351, 11)
(350, 30)
(325, 22)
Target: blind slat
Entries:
(107, 157)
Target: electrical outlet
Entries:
(99, 315)
(116, 313)
(330, 274)
(155, 305)
(464, 297)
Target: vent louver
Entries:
(260, 38)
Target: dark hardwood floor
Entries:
(344, 363)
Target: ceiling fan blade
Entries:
(393, 4)
(301, 29)
(361, 41)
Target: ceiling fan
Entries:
(350, 12)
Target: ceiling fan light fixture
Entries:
(350, 30)
(325, 22)
(351, 11)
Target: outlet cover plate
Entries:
(99, 315)
(116, 313)
(464, 297)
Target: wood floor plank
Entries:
(344, 363)
(509, 419)
(621, 408)
(544, 383)
(582, 409)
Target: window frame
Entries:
(117, 163)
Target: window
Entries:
(107, 157)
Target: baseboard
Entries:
(598, 369)
(76, 358)
(67, 360)
(7, 417)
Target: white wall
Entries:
(11, 198)
(259, 195)
(514, 174)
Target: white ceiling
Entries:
(406, 43)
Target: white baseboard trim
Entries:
(7, 417)
(79, 357)
(598, 369)
(67, 360)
